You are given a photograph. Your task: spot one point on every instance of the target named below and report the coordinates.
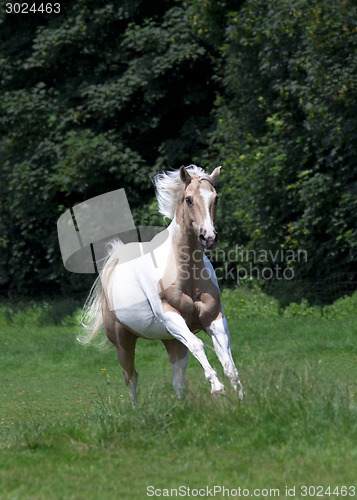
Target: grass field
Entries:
(68, 429)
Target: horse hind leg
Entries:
(126, 356)
(124, 342)
(178, 356)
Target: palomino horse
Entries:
(170, 291)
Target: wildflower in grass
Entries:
(107, 376)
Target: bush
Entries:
(20, 314)
(302, 310)
(345, 307)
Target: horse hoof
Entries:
(219, 393)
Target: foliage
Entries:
(243, 302)
(65, 312)
(302, 310)
(240, 303)
(287, 132)
(105, 94)
(209, 20)
(344, 307)
(100, 96)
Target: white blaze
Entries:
(207, 224)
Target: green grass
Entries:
(68, 431)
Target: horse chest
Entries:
(197, 308)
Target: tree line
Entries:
(103, 95)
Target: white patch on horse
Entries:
(176, 325)
(178, 375)
(219, 332)
(207, 224)
(138, 306)
(210, 270)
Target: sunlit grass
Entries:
(68, 428)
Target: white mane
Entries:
(168, 186)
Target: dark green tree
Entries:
(287, 130)
(97, 97)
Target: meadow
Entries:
(68, 429)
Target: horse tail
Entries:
(92, 318)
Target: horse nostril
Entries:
(202, 237)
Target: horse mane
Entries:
(168, 186)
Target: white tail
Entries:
(92, 318)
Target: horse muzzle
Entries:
(208, 239)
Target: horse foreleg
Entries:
(176, 325)
(178, 356)
(219, 332)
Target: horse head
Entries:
(197, 206)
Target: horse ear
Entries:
(215, 173)
(185, 176)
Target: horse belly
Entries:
(137, 306)
(141, 321)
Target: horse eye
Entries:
(188, 201)
(216, 200)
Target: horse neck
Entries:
(187, 250)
